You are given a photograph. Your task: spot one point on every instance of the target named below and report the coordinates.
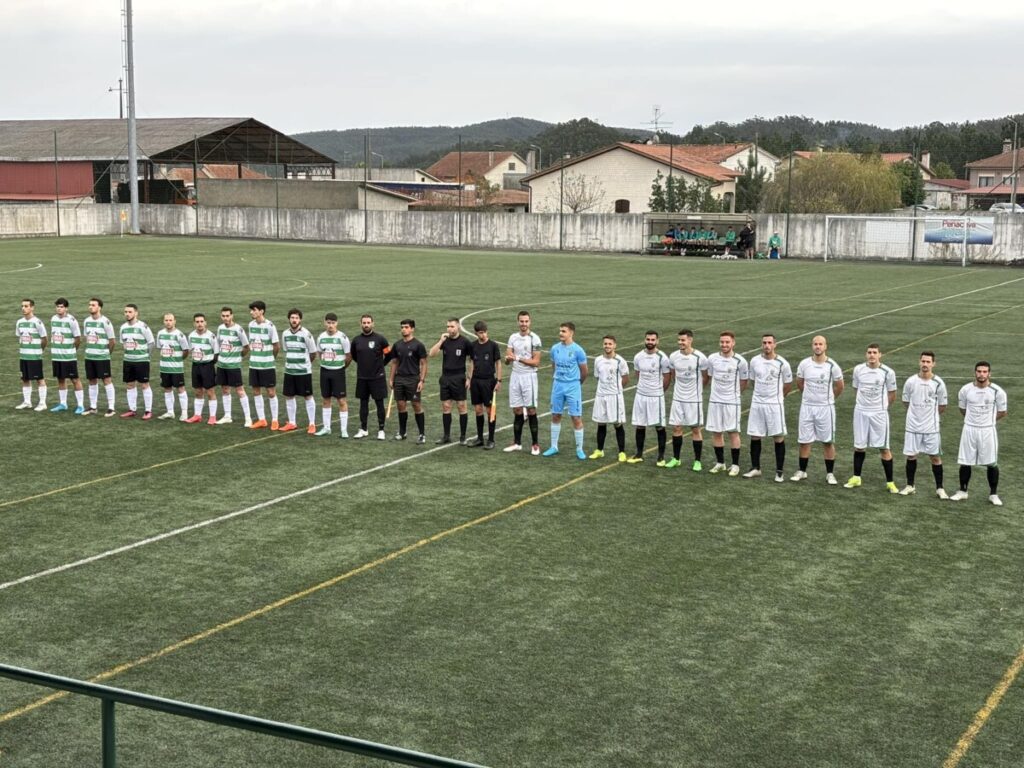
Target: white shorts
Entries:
(723, 417)
(870, 429)
(766, 420)
(817, 424)
(928, 443)
(979, 447)
(522, 390)
(648, 411)
(685, 414)
(609, 409)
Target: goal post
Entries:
(941, 239)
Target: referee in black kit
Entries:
(408, 372)
(370, 351)
(483, 381)
(454, 349)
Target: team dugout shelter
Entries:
(693, 234)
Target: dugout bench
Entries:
(658, 224)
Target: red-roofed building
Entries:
(734, 156)
(947, 194)
(992, 178)
(475, 167)
(618, 178)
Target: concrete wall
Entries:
(293, 193)
(615, 233)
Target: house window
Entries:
(984, 181)
(622, 206)
(511, 166)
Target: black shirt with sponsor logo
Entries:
(408, 354)
(485, 356)
(368, 350)
(454, 353)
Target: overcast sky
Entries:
(303, 65)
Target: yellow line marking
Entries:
(985, 712)
(284, 601)
(130, 472)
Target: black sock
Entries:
(911, 471)
(965, 477)
(887, 468)
(490, 430)
(602, 433)
(661, 444)
(382, 413)
(698, 449)
(364, 413)
(421, 422)
(463, 423)
(780, 456)
(755, 454)
(734, 454)
(534, 428)
(403, 421)
(804, 461)
(446, 424)
(480, 427)
(641, 436)
(993, 479)
(720, 454)
(517, 428)
(937, 474)
(858, 463)
(620, 437)
(830, 466)
(677, 446)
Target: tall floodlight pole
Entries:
(1015, 166)
(133, 160)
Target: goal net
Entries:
(898, 238)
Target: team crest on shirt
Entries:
(257, 345)
(58, 338)
(371, 344)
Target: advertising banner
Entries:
(979, 230)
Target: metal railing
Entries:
(110, 696)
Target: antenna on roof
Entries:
(657, 121)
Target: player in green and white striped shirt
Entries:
(65, 338)
(174, 348)
(299, 354)
(98, 332)
(263, 348)
(137, 341)
(234, 345)
(332, 346)
(31, 335)
(204, 349)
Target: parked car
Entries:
(1007, 208)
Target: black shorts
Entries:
(481, 391)
(298, 385)
(332, 383)
(405, 388)
(229, 377)
(65, 369)
(135, 372)
(377, 389)
(263, 377)
(97, 369)
(31, 370)
(172, 380)
(453, 387)
(203, 375)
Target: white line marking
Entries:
(380, 467)
(26, 269)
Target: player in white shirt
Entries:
(688, 366)
(820, 381)
(728, 373)
(773, 380)
(612, 374)
(982, 404)
(653, 374)
(925, 398)
(523, 354)
(875, 384)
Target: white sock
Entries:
(311, 411)
(94, 394)
(183, 402)
(290, 407)
(328, 413)
(133, 398)
(109, 388)
(578, 434)
(258, 400)
(226, 399)
(42, 393)
(343, 422)
(26, 394)
(213, 407)
(147, 399)
(200, 402)
(169, 401)
(273, 408)
(244, 400)
(80, 398)
(556, 430)
(62, 394)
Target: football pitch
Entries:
(506, 609)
